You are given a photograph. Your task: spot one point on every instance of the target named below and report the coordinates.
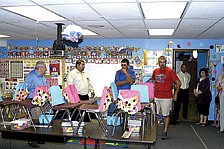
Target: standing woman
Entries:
(220, 88)
(203, 94)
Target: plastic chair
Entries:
(27, 106)
(145, 104)
(59, 104)
(1, 111)
(73, 96)
(105, 101)
(129, 104)
(151, 97)
(7, 106)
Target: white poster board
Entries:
(101, 75)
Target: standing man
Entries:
(33, 79)
(124, 77)
(183, 94)
(81, 80)
(163, 78)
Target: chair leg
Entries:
(13, 110)
(80, 121)
(42, 111)
(89, 116)
(70, 119)
(143, 122)
(79, 113)
(116, 117)
(51, 122)
(126, 115)
(104, 123)
(101, 125)
(1, 110)
(30, 117)
(90, 120)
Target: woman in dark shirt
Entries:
(203, 94)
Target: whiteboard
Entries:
(101, 75)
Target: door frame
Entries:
(190, 51)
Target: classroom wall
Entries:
(148, 44)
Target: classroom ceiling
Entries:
(201, 19)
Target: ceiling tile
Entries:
(115, 11)
(196, 24)
(206, 10)
(163, 23)
(131, 24)
(75, 12)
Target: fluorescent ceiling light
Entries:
(4, 36)
(163, 10)
(161, 32)
(35, 12)
(88, 32)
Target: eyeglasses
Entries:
(123, 64)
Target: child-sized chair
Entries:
(146, 105)
(98, 110)
(129, 104)
(27, 104)
(59, 104)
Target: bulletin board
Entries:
(14, 71)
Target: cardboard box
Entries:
(66, 126)
(134, 122)
(20, 124)
(135, 129)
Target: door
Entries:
(192, 67)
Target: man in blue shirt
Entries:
(36, 78)
(33, 79)
(124, 77)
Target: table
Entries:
(149, 137)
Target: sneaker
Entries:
(164, 136)
(203, 125)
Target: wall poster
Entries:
(16, 69)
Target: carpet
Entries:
(102, 143)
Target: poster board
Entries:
(100, 74)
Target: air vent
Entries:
(96, 26)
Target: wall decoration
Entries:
(222, 59)
(16, 69)
(106, 61)
(4, 68)
(188, 43)
(98, 61)
(90, 60)
(68, 60)
(54, 68)
(211, 46)
(138, 60)
(114, 61)
(219, 47)
(9, 85)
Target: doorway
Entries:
(184, 56)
